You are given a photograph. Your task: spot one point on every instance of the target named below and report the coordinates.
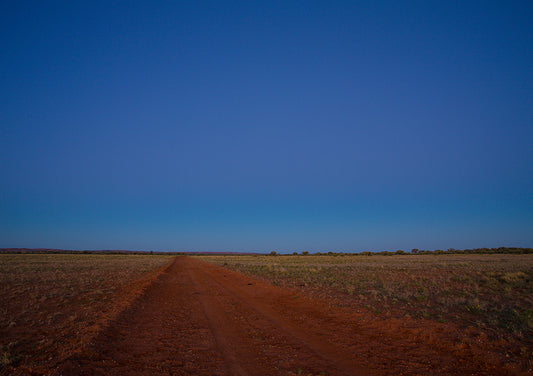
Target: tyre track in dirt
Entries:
(199, 319)
(280, 347)
(256, 305)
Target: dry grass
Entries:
(51, 300)
(493, 292)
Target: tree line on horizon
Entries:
(414, 251)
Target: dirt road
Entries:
(199, 319)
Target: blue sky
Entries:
(276, 125)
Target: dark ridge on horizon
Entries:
(121, 251)
(499, 250)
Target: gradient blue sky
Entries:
(275, 125)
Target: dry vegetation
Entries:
(492, 294)
(50, 302)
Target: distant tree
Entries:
(414, 251)
(273, 253)
(305, 253)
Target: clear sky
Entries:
(266, 125)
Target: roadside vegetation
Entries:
(488, 293)
(51, 301)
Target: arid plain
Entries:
(86, 314)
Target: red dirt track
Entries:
(199, 319)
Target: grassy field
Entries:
(51, 301)
(490, 292)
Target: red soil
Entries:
(199, 319)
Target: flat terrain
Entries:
(486, 299)
(52, 304)
(196, 318)
(490, 291)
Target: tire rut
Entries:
(264, 315)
